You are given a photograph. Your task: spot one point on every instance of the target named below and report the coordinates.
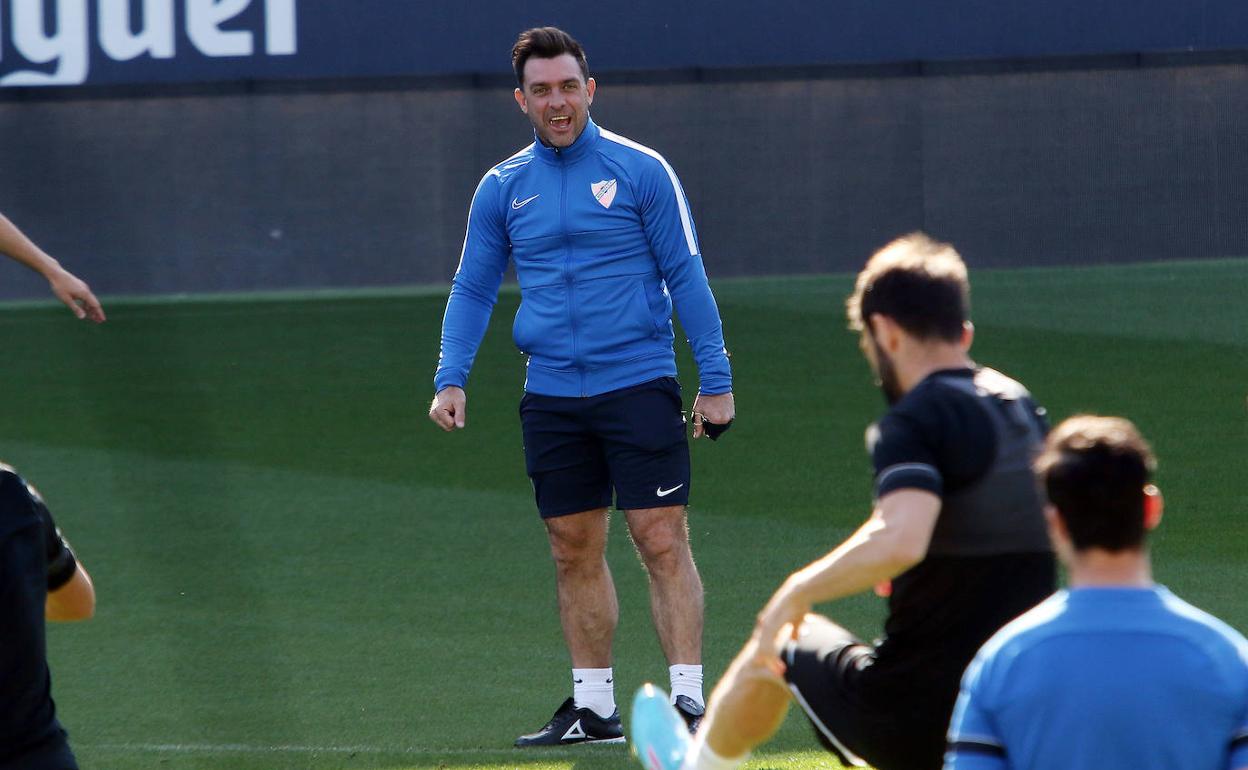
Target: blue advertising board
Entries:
(76, 42)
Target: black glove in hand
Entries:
(714, 430)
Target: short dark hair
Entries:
(918, 282)
(545, 43)
(1094, 470)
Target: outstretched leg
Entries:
(748, 704)
(746, 708)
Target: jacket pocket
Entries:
(541, 326)
(617, 324)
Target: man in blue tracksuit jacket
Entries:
(603, 244)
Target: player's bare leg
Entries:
(748, 704)
(588, 608)
(662, 539)
(746, 708)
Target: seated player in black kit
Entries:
(956, 539)
(39, 578)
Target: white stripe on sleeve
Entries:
(924, 468)
(681, 204)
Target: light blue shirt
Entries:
(1105, 679)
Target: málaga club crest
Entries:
(604, 192)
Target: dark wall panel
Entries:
(370, 188)
(1079, 166)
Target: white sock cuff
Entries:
(703, 757)
(594, 688)
(593, 676)
(687, 680)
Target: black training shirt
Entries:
(30, 736)
(968, 436)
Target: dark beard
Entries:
(886, 375)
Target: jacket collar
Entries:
(573, 152)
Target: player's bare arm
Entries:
(892, 541)
(66, 286)
(75, 600)
(719, 409)
(449, 408)
(71, 595)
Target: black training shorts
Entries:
(827, 669)
(632, 442)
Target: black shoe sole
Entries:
(599, 741)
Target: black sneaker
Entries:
(571, 725)
(689, 711)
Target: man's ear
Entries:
(590, 86)
(869, 322)
(886, 332)
(1057, 528)
(520, 100)
(1153, 504)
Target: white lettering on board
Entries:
(62, 39)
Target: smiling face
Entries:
(556, 97)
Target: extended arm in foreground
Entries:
(892, 541)
(67, 287)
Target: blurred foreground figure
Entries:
(39, 578)
(1116, 672)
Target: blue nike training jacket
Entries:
(603, 245)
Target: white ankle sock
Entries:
(687, 681)
(594, 688)
(702, 757)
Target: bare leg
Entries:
(748, 705)
(662, 540)
(588, 608)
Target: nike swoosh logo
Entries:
(516, 203)
(661, 492)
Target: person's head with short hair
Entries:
(555, 89)
(1096, 472)
(912, 294)
(546, 43)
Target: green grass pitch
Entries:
(297, 570)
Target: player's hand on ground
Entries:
(718, 409)
(76, 295)
(449, 408)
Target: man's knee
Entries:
(661, 537)
(577, 541)
(821, 629)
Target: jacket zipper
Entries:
(567, 267)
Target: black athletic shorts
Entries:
(632, 442)
(825, 671)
